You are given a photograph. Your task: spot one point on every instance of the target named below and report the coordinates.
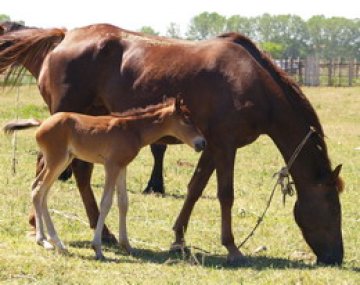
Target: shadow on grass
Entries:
(196, 258)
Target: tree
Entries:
(241, 25)
(148, 30)
(206, 25)
(4, 18)
(173, 31)
(276, 50)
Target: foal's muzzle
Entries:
(200, 144)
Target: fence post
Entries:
(330, 67)
(351, 71)
(300, 66)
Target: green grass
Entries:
(287, 260)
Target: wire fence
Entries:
(310, 71)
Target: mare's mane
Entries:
(290, 88)
(294, 95)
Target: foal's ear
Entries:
(178, 103)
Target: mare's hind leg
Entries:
(156, 181)
(111, 174)
(82, 172)
(123, 204)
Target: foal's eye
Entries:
(186, 120)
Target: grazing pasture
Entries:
(286, 260)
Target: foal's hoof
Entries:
(98, 253)
(47, 245)
(100, 257)
(126, 247)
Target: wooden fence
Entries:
(314, 72)
(308, 72)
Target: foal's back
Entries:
(93, 139)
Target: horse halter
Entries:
(284, 174)
(284, 181)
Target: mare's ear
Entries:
(336, 172)
(333, 178)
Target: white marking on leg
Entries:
(105, 205)
(123, 204)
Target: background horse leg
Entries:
(200, 178)
(224, 159)
(82, 173)
(156, 181)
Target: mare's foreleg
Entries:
(224, 159)
(111, 174)
(200, 178)
(156, 181)
(82, 173)
(123, 204)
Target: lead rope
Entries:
(283, 179)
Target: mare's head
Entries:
(318, 214)
(178, 123)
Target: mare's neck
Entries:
(312, 161)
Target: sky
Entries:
(134, 14)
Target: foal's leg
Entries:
(82, 172)
(200, 178)
(53, 237)
(156, 181)
(39, 193)
(123, 204)
(111, 174)
(37, 212)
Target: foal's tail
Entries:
(23, 124)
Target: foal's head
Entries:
(177, 122)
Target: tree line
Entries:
(282, 36)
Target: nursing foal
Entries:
(113, 141)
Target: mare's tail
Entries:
(23, 124)
(27, 48)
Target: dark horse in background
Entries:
(233, 90)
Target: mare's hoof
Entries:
(154, 188)
(179, 248)
(235, 259)
(108, 238)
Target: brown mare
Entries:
(113, 141)
(234, 92)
